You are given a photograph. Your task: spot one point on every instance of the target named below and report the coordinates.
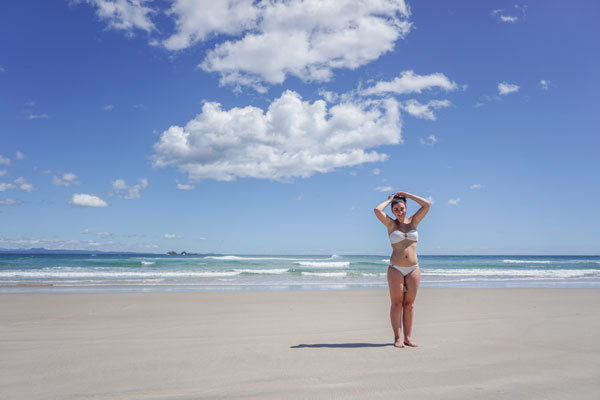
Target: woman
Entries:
(403, 272)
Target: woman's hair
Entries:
(398, 199)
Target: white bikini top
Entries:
(397, 236)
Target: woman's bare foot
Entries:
(410, 343)
(398, 343)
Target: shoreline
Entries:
(478, 343)
(52, 288)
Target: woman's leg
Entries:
(396, 285)
(412, 282)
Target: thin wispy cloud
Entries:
(510, 16)
(384, 188)
(505, 88)
(37, 116)
(87, 200)
(68, 179)
(544, 84)
(424, 111)
(3, 172)
(409, 82)
(6, 186)
(108, 107)
(20, 156)
(125, 191)
(454, 202)
(476, 186)
(292, 138)
(23, 185)
(10, 202)
(105, 234)
(170, 236)
(429, 141)
(4, 160)
(376, 171)
(185, 186)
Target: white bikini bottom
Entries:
(405, 270)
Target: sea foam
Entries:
(325, 274)
(324, 264)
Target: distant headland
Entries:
(41, 250)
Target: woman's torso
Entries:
(404, 251)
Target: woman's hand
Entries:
(391, 196)
(403, 194)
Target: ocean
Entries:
(153, 273)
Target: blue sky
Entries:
(246, 127)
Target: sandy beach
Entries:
(474, 343)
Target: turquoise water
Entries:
(151, 272)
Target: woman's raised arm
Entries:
(380, 211)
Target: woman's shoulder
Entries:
(393, 225)
(411, 224)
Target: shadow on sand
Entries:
(340, 345)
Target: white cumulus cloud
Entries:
(125, 191)
(545, 84)
(170, 236)
(19, 155)
(409, 82)
(4, 160)
(3, 172)
(87, 200)
(67, 179)
(195, 20)
(258, 42)
(125, 14)
(292, 138)
(307, 39)
(505, 88)
(454, 202)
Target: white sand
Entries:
(480, 344)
